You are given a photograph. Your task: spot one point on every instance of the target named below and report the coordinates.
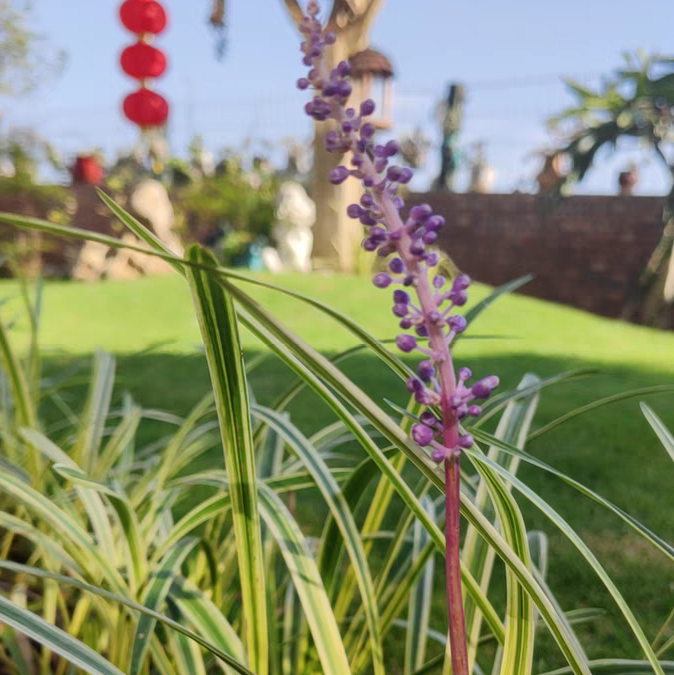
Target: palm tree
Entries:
(636, 102)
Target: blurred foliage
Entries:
(25, 56)
(637, 101)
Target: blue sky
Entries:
(509, 55)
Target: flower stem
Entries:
(457, 622)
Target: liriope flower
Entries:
(424, 301)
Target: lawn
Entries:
(611, 450)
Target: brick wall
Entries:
(585, 251)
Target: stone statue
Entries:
(451, 125)
(294, 218)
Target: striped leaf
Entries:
(339, 508)
(55, 639)
(307, 582)
(661, 431)
(163, 577)
(220, 334)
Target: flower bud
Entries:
(382, 280)
(421, 434)
(405, 342)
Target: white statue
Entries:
(295, 216)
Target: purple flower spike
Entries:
(421, 434)
(405, 342)
(338, 175)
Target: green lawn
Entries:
(612, 450)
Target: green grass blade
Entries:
(55, 639)
(599, 403)
(618, 667)
(661, 431)
(339, 508)
(26, 415)
(307, 582)
(219, 331)
(142, 232)
(645, 532)
(508, 287)
(419, 608)
(96, 408)
(163, 577)
(126, 602)
(205, 617)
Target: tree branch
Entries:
(295, 10)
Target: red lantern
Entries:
(87, 170)
(142, 61)
(146, 108)
(143, 16)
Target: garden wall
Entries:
(584, 251)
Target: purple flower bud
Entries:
(354, 210)
(347, 126)
(400, 295)
(405, 342)
(429, 237)
(406, 323)
(329, 37)
(426, 371)
(338, 175)
(435, 223)
(303, 83)
(367, 130)
(381, 280)
(414, 385)
(438, 456)
(461, 283)
(484, 387)
(421, 330)
(457, 323)
(391, 149)
(465, 441)
(307, 60)
(399, 202)
(420, 212)
(400, 309)
(432, 259)
(429, 419)
(367, 201)
(409, 280)
(421, 434)
(393, 173)
(370, 245)
(434, 317)
(465, 374)
(405, 177)
(459, 298)
(343, 68)
(380, 164)
(379, 234)
(367, 107)
(385, 250)
(474, 410)
(368, 181)
(417, 248)
(344, 89)
(438, 281)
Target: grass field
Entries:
(612, 450)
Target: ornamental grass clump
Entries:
(405, 243)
